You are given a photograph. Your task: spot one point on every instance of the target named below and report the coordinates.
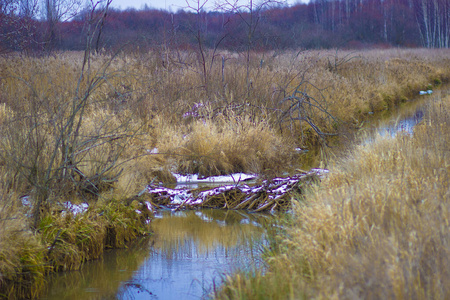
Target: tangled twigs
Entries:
(271, 195)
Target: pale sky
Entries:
(170, 5)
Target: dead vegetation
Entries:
(98, 128)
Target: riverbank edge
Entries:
(334, 246)
(63, 242)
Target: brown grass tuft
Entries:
(226, 144)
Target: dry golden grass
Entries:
(226, 144)
(22, 266)
(377, 226)
(138, 102)
(238, 127)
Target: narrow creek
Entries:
(398, 120)
(191, 251)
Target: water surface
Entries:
(188, 255)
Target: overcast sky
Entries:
(170, 5)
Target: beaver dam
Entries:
(271, 195)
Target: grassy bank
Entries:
(375, 228)
(62, 242)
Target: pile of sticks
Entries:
(271, 195)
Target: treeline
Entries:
(318, 24)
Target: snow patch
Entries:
(74, 208)
(153, 151)
(149, 206)
(26, 201)
(194, 178)
(274, 189)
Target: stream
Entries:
(190, 252)
(188, 255)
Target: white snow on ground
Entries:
(26, 201)
(280, 190)
(427, 92)
(75, 209)
(216, 191)
(149, 206)
(320, 172)
(69, 207)
(193, 178)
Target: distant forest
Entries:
(268, 26)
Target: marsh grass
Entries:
(256, 285)
(132, 103)
(376, 227)
(71, 240)
(226, 144)
(222, 129)
(22, 265)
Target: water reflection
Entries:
(404, 125)
(400, 120)
(188, 254)
(98, 279)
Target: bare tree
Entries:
(55, 12)
(433, 22)
(28, 8)
(17, 26)
(47, 144)
(250, 12)
(8, 6)
(205, 58)
(198, 7)
(304, 108)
